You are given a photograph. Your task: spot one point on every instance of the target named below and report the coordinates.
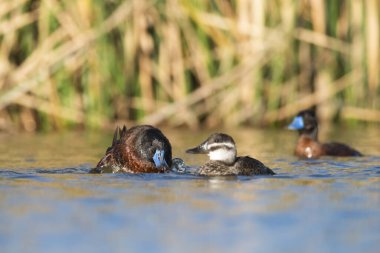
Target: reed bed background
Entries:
(194, 63)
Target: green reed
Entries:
(92, 63)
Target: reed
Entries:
(70, 64)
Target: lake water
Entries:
(48, 202)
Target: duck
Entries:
(222, 152)
(308, 146)
(140, 149)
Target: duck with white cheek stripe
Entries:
(222, 152)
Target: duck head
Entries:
(218, 146)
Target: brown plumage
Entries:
(132, 151)
(308, 145)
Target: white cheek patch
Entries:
(221, 155)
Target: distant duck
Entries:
(223, 160)
(308, 145)
(140, 149)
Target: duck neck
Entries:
(311, 133)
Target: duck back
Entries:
(248, 166)
(339, 149)
(243, 166)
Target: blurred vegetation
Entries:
(96, 63)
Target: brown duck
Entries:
(140, 149)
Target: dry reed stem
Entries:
(318, 15)
(169, 48)
(17, 22)
(57, 56)
(207, 90)
(364, 114)
(373, 44)
(45, 106)
(316, 98)
(322, 40)
(9, 6)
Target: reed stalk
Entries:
(91, 63)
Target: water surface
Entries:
(48, 202)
